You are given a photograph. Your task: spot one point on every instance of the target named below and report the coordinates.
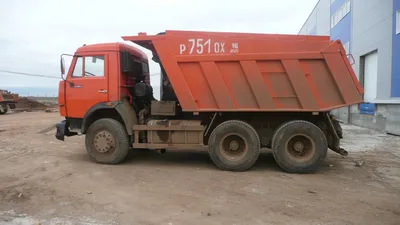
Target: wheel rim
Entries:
(233, 147)
(300, 147)
(104, 142)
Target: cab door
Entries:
(87, 84)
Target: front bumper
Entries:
(63, 130)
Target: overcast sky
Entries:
(33, 34)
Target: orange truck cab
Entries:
(233, 92)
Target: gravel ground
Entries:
(46, 181)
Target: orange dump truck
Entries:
(233, 92)
(7, 100)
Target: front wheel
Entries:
(299, 147)
(106, 141)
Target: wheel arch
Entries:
(122, 111)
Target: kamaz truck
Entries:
(230, 93)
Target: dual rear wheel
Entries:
(234, 145)
(299, 147)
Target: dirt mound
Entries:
(25, 103)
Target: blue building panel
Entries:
(336, 5)
(342, 30)
(395, 91)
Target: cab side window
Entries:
(94, 66)
(89, 66)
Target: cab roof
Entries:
(115, 46)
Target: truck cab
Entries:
(100, 83)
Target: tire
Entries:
(234, 146)
(5, 109)
(299, 147)
(107, 142)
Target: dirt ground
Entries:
(46, 181)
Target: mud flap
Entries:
(335, 146)
(127, 114)
(336, 134)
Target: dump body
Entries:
(211, 71)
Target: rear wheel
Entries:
(3, 110)
(234, 145)
(299, 147)
(107, 141)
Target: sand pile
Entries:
(25, 103)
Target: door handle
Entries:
(75, 86)
(102, 91)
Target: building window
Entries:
(340, 13)
(332, 1)
(398, 22)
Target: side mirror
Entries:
(62, 67)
